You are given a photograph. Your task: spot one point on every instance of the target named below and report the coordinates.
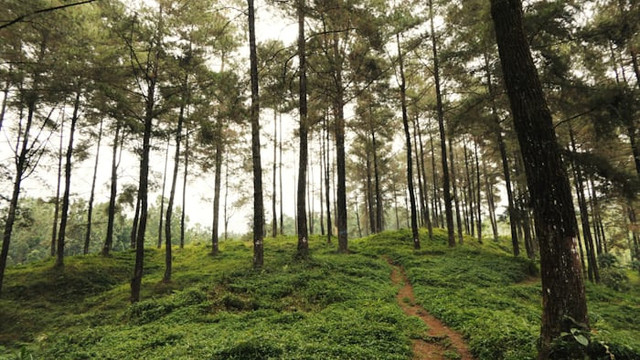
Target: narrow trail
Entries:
(445, 341)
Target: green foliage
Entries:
(612, 274)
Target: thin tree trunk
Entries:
(378, 190)
(505, 160)
(563, 295)
(427, 214)
(479, 192)
(172, 195)
(64, 214)
(184, 188)
(108, 242)
(5, 92)
(395, 204)
(226, 198)
(321, 175)
(421, 191)
(437, 211)
(358, 219)
(490, 201)
(21, 167)
(470, 190)
(56, 209)
(258, 205)
(584, 214)
(407, 136)
(281, 190)
(274, 223)
(454, 185)
(134, 225)
(327, 183)
(215, 249)
(87, 236)
(369, 197)
(443, 141)
(303, 235)
(164, 183)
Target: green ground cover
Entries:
(333, 306)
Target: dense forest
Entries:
(461, 148)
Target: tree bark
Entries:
(215, 249)
(443, 141)
(479, 192)
(184, 188)
(407, 136)
(164, 183)
(172, 195)
(427, 214)
(303, 235)
(274, 223)
(108, 242)
(87, 236)
(258, 205)
(454, 185)
(21, 167)
(563, 294)
(64, 213)
(341, 189)
(327, 183)
(56, 209)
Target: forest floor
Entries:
(370, 304)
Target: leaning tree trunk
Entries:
(108, 243)
(443, 141)
(87, 235)
(563, 295)
(21, 166)
(64, 214)
(258, 205)
(407, 135)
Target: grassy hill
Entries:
(331, 307)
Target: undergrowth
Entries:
(332, 306)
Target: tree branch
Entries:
(22, 17)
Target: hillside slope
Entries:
(331, 307)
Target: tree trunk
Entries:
(490, 201)
(21, 167)
(274, 223)
(172, 195)
(584, 214)
(216, 194)
(358, 219)
(5, 92)
(437, 210)
(64, 214)
(443, 141)
(407, 136)
(378, 190)
(87, 236)
(56, 209)
(321, 176)
(184, 188)
(134, 225)
(303, 235)
(108, 242)
(563, 294)
(280, 175)
(341, 189)
(369, 196)
(478, 189)
(421, 188)
(454, 185)
(427, 215)
(164, 183)
(136, 280)
(470, 191)
(258, 206)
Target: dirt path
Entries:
(445, 342)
